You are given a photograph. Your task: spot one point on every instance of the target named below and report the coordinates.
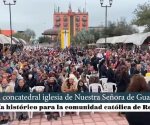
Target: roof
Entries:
(137, 39)
(51, 32)
(6, 32)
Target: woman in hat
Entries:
(69, 85)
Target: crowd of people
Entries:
(65, 71)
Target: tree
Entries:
(142, 16)
(44, 39)
(118, 28)
(83, 37)
(27, 35)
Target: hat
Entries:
(72, 76)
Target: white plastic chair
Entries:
(104, 80)
(109, 87)
(40, 89)
(35, 89)
(95, 87)
(12, 115)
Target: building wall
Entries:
(62, 20)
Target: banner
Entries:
(75, 102)
(75, 107)
(65, 38)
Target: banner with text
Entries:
(75, 102)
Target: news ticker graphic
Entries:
(75, 102)
(75, 98)
(75, 107)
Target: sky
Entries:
(38, 14)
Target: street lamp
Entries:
(10, 4)
(106, 6)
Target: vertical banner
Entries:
(65, 39)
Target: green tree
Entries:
(118, 28)
(142, 16)
(44, 39)
(27, 35)
(83, 37)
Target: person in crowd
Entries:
(22, 87)
(5, 88)
(31, 81)
(130, 66)
(52, 86)
(13, 80)
(122, 79)
(102, 69)
(138, 84)
(82, 87)
(38, 66)
(42, 80)
(148, 71)
(111, 74)
(139, 70)
(69, 85)
(94, 62)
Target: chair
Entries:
(12, 115)
(35, 89)
(40, 89)
(110, 87)
(104, 80)
(95, 88)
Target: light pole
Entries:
(10, 4)
(106, 7)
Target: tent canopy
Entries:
(137, 39)
(5, 40)
(23, 41)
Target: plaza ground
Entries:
(82, 119)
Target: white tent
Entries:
(112, 40)
(121, 39)
(137, 39)
(102, 40)
(15, 39)
(23, 41)
(5, 40)
(9, 39)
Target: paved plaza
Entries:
(83, 119)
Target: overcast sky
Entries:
(38, 14)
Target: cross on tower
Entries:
(65, 32)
